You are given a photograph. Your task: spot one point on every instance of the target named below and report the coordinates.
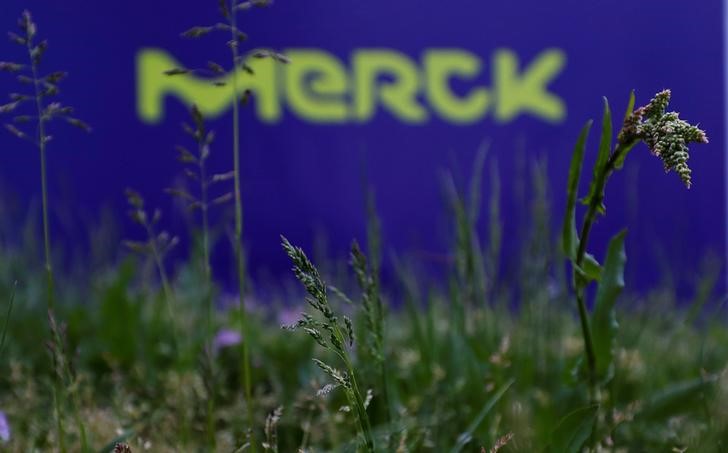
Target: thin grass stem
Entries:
(239, 258)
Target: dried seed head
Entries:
(122, 448)
(15, 131)
(56, 77)
(224, 10)
(75, 122)
(26, 24)
(176, 71)
(36, 53)
(215, 68)
(8, 66)
(134, 198)
(17, 39)
(196, 32)
(7, 108)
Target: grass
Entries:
(414, 366)
(442, 378)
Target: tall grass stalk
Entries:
(44, 87)
(238, 238)
(368, 275)
(156, 247)
(333, 334)
(203, 140)
(229, 10)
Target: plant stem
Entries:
(207, 272)
(41, 142)
(166, 287)
(239, 259)
(59, 420)
(358, 403)
(594, 203)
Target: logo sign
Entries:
(387, 96)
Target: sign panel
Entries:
(391, 93)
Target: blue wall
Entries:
(303, 175)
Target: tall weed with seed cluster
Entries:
(668, 137)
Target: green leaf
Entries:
(573, 430)
(630, 105)
(7, 318)
(604, 321)
(627, 147)
(569, 235)
(605, 147)
(475, 181)
(465, 437)
(619, 162)
(589, 270)
(677, 398)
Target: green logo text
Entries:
(320, 88)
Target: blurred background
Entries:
(389, 97)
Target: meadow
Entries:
(141, 352)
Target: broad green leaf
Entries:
(569, 236)
(465, 437)
(604, 321)
(677, 398)
(596, 189)
(573, 431)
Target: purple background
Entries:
(300, 178)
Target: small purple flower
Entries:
(225, 338)
(4, 428)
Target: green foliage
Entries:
(465, 437)
(456, 370)
(574, 430)
(570, 236)
(4, 331)
(331, 334)
(604, 320)
(444, 378)
(666, 136)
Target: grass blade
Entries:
(677, 398)
(465, 437)
(630, 105)
(604, 322)
(569, 236)
(573, 430)
(7, 318)
(628, 147)
(605, 147)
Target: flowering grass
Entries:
(669, 388)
